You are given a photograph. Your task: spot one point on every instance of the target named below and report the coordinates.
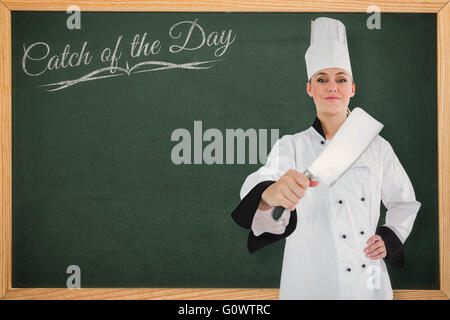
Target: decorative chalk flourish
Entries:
(154, 66)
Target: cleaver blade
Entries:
(347, 145)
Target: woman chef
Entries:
(334, 249)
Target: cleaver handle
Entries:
(278, 211)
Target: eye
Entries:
(320, 80)
(342, 80)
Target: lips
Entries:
(332, 98)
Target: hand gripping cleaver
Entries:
(347, 145)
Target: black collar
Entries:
(318, 126)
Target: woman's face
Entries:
(331, 90)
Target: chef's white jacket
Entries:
(327, 233)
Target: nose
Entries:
(332, 88)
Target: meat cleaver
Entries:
(347, 145)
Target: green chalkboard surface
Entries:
(129, 146)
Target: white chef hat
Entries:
(328, 48)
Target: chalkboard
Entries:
(126, 155)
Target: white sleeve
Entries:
(264, 222)
(280, 159)
(398, 196)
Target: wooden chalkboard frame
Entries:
(440, 7)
